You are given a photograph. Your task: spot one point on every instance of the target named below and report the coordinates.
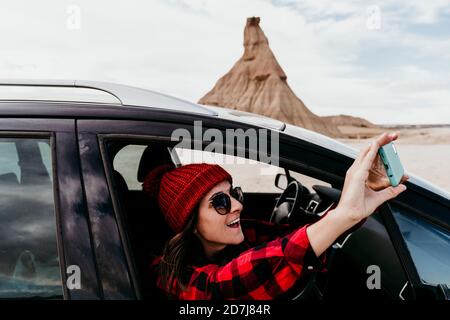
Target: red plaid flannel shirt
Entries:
(258, 269)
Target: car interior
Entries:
(295, 204)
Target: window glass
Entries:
(126, 162)
(29, 263)
(46, 154)
(429, 246)
(9, 161)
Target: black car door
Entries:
(45, 239)
(111, 219)
(120, 277)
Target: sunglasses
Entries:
(221, 201)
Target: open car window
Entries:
(251, 175)
(148, 232)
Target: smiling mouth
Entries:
(235, 223)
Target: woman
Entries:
(215, 255)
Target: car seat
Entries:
(147, 230)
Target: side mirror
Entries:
(281, 181)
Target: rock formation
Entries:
(257, 83)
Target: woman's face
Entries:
(215, 230)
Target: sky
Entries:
(387, 61)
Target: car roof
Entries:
(136, 101)
(125, 95)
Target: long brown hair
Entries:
(176, 256)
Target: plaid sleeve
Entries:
(262, 272)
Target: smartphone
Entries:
(392, 164)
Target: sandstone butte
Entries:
(256, 83)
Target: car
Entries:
(75, 223)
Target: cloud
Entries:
(334, 62)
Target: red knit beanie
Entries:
(179, 190)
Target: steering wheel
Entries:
(284, 208)
(313, 287)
